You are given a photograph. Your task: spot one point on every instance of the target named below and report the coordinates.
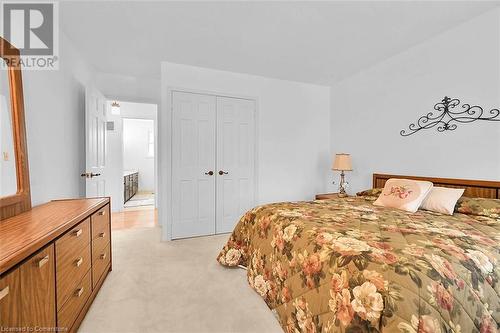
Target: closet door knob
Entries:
(210, 173)
(222, 173)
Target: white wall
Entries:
(292, 131)
(55, 117)
(115, 145)
(369, 109)
(135, 151)
(114, 157)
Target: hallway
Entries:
(137, 217)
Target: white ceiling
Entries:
(317, 42)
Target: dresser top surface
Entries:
(24, 234)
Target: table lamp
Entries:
(342, 162)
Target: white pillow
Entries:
(404, 194)
(442, 199)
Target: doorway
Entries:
(131, 151)
(138, 163)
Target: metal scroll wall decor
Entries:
(447, 116)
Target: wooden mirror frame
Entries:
(21, 201)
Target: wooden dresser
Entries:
(53, 261)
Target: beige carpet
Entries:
(174, 287)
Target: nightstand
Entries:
(327, 196)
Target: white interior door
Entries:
(193, 164)
(235, 160)
(95, 143)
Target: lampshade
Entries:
(342, 162)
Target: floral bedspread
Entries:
(345, 265)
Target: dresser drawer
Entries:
(100, 222)
(10, 300)
(99, 264)
(71, 267)
(75, 239)
(38, 286)
(79, 294)
(99, 243)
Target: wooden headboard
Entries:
(473, 188)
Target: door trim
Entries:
(165, 120)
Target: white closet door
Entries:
(193, 157)
(235, 160)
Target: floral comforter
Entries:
(345, 265)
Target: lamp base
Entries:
(342, 192)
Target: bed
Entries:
(345, 265)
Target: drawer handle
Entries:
(79, 262)
(4, 292)
(102, 234)
(43, 261)
(103, 256)
(79, 292)
(78, 232)
(102, 213)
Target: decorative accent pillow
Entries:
(370, 192)
(404, 194)
(442, 200)
(479, 206)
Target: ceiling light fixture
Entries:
(115, 108)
